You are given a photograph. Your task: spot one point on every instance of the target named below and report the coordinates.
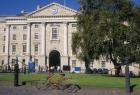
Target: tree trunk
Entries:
(117, 70)
(116, 65)
(87, 62)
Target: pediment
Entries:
(53, 9)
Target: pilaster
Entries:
(43, 38)
(65, 38)
(29, 39)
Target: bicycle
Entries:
(58, 84)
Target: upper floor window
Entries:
(36, 36)
(24, 48)
(13, 48)
(55, 34)
(4, 29)
(36, 48)
(14, 27)
(24, 37)
(24, 27)
(74, 25)
(14, 36)
(4, 38)
(36, 25)
(2, 62)
(3, 48)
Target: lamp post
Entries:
(127, 76)
(16, 73)
(8, 65)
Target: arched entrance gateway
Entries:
(54, 59)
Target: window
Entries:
(36, 62)
(103, 64)
(55, 33)
(14, 27)
(24, 48)
(13, 48)
(3, 48)
(24, 27)
(2, 62)
(36, 48)
(13, 62)
(14, 36)
(4, 29)
(4, 38)
(36, 25)
(73, 63)
(74, 25)
(24, 37)
(36, 36)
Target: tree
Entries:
(123, 39)
(87, 41)
(109, 28)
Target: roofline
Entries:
(65, 7)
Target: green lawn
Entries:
(81, 79)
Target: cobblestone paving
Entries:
(30, 90)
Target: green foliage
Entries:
(110, 28)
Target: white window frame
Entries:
(4, 29)
(36, 36)
(2, 62)
(13, 48)
(36, 61)
(36, 48)
(3, 49)
(55, 34)
(14, 27)
(24, 27)
(4, 38)
(13, 61)
(36, 26)
(24, 37)
(73, 63)
(24, 48)
(14, 37)
(74, 25)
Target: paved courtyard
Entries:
(9, 89)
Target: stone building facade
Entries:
(44, 36)
(39, 35)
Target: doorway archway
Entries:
(54, 58)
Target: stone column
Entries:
(7, 45)
(43, 38)
(7, 40)
(65, 38)
(29, 39)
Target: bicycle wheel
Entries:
(52, 87)
(72, 88)
(41, 85)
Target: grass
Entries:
(89, 80)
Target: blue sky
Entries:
(13, 7)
